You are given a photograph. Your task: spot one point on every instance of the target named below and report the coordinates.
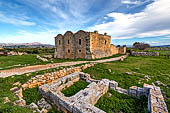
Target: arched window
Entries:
(79, 50)
(79, 41)
(68, 51)
(59, 42)
(105, 42)
(68, 41)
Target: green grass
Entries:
(31, 95)
(161, 52)
(9, 62)
(76, 87)
(157, 68)
(116, 103)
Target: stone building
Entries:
(86, 45)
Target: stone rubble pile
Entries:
(49, 77)
(144, 53)
(42, 104)
(42, 59)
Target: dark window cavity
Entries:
(59, 42)
(68, 51)
(68, 41)
(80, 50)
(79, 41)
(105, 42)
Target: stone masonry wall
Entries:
(80, 44)
(81, 102)
(68, 45)
(49, 77)
(86, 45)
(59, 42)
(144, 53)
(100, 45)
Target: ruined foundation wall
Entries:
(144, 53)
(99, 45)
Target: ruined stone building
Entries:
(86, 45)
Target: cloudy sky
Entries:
(127, 21)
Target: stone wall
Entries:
(81, 102)
(100, 45)
(88, 45)
(144, 53)
(68, 45)
(81, 44)
(49, 77)
(59, 42)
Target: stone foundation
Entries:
(49, 77)
(144, 53)
(81, 102)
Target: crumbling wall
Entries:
(81, 102)
(99, 45)
(144, 53)
(114, 49)
(50, 77)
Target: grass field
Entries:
(76, 87)
(30, 95)
(9, 62)
(114, 102)
(142, 68)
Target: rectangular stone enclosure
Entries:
(86, 45)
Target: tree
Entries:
(141, 45)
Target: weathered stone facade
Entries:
(86, 45)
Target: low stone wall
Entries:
(156, 103)
(81, 102)
(49, 77)
(144, 53)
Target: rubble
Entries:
(6, 100)
(144, 53)
(49, 77)
(43, 104)
(42, 59)
(21, 102)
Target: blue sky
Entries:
(126, 21)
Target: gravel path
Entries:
(27, 69)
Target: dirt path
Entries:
(27, 69)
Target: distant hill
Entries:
(26, 45)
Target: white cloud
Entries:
(155, 42)
(46, 37)
(154, 20)
(129, 2)
(15, 20)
